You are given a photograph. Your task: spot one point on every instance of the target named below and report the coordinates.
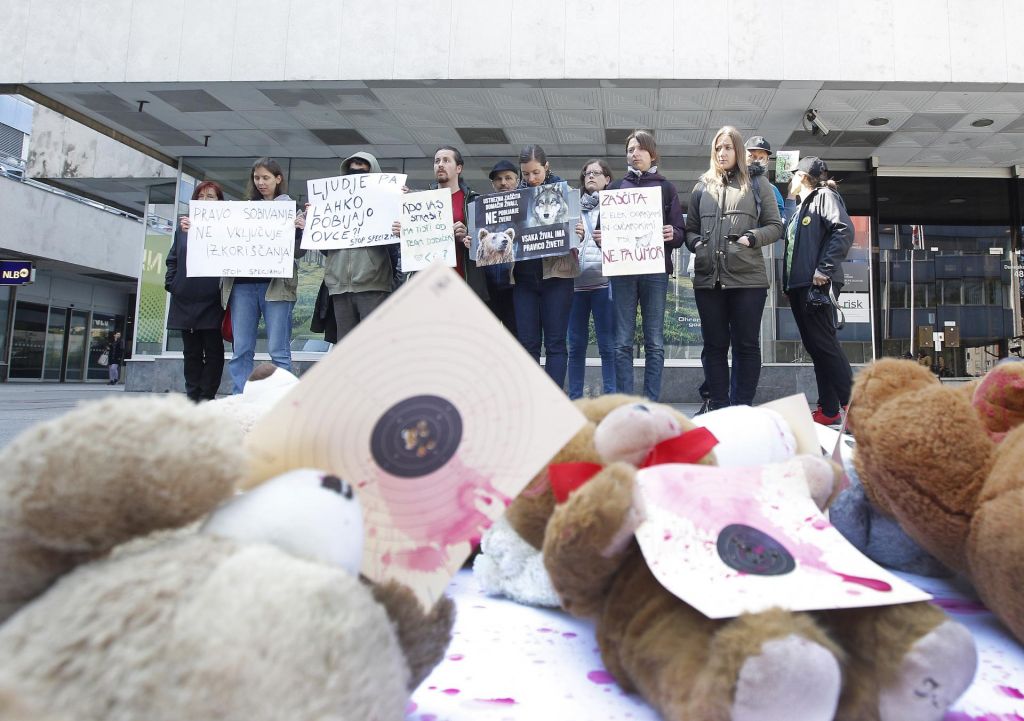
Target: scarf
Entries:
(589, 201)
(635, 175)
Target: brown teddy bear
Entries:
(947, 462)
(114, 606)
(907, 662)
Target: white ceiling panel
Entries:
(682, 118)
(860, 120)
(405, 97)
(474, 118)
(577, 118)
(954, 102)
(999, 121)
(388, 136)
(680, 137)
(459, 99)
(686, 98)
(422, 117)
(622, 98)
(911, 140)
(743, 98)
(937, 157)
(529, 136)
(625, 118)
(884, 102)
(524, 118)
(433, 137)
(741, 120)
(513, 98)
(572, 98)
(572, 136)
(842, 100)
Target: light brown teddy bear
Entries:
(947, 462)
(256, 615)
(905, 663)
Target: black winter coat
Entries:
(195, 302)
(823, 235)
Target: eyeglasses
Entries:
(593, 174)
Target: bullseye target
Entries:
(416, 436)
(752, 551)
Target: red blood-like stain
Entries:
(961, 716)
(569, 634)
(499, 701)
(428, 717)
(959, 605)
(456, 657)
(600, 677)
(1011, 691)
(873, 583)
(543, 630)
(452, 691)
(820, 524)
(410, 707)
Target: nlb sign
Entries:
(16, 272)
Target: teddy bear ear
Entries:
(106, 472)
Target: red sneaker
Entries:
(819, 417)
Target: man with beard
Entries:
(357, 279)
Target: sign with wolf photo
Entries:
(352, 211)
(785, 163)
(241, 239)
(524, 223)
(631, 237)
(427, 229)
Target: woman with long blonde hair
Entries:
(726, 229)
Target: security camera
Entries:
(818, 126)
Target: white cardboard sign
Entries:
(241, 239)
(631, 239)
(352, 211)
(427, 229)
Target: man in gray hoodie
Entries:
(357, 279)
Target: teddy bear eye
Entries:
(641, 407)
(333, 483)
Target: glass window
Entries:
(5, 306)
(160, 224)
(28, 341)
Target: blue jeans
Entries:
(731, 317)
(648, 291)
(542, 313)
(583, 302)
(248, 302)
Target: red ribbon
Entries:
(687, 447)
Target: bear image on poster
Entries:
(548, 206)
(494, 248)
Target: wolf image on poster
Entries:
(548, 206)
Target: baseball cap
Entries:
(814, 167)
(500, 167)
(758, 142)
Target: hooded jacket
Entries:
(713, 229)
(358, 270)
(671, 210)
(821, 233)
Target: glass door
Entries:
(53, 358)
(76, 345)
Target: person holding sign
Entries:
(648, 290)
(592, 290)
(196, 312)
(358, 280)
(543, 287)
(250, 298)
(725, 230)
(818, 237)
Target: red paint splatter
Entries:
(410, 707)
(1011, 691)
(961, 716)
(452, 691)
(821, 524)
(424, 558)
(569, 634)
(498, 701)
(428, 717)
(600, 677)
(872, 583)
(544, 630)
(959, 605)
(456, 657)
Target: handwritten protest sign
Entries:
(524, 223)
(352, 211)
(427, 233)
(785, 163)
(242, 239)
(631, 239)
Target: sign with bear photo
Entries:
(524, 223)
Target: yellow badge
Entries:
(806, 220)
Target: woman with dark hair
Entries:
(592, 290)
(543, 290)
(195, 311)
(646, 291)
(818, 237)
(726, 229)
(250, 298)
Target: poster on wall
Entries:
(427, 229)
(631, 231)
(352, 211)
(524, 223)
(241, 239)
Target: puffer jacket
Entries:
(713, 229)
(357, 270)
(279, 288)
(821, 232)
(591, 260)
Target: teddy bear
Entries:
(947, 463)
(136, 583)
(908, 662)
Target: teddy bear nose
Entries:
(333, 483)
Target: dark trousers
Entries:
(204, 362)
(542, 316)
(731, 317)
(502, 306)
(832, 370)
(351, 308)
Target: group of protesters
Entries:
(548, 302)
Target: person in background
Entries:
(592, 289)
(543, 287)
(195, 311)
(358, 280)
(725, 230)
(503, 176)
(115, 358)
(250, 298)
(646, 291)
(818, 237)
